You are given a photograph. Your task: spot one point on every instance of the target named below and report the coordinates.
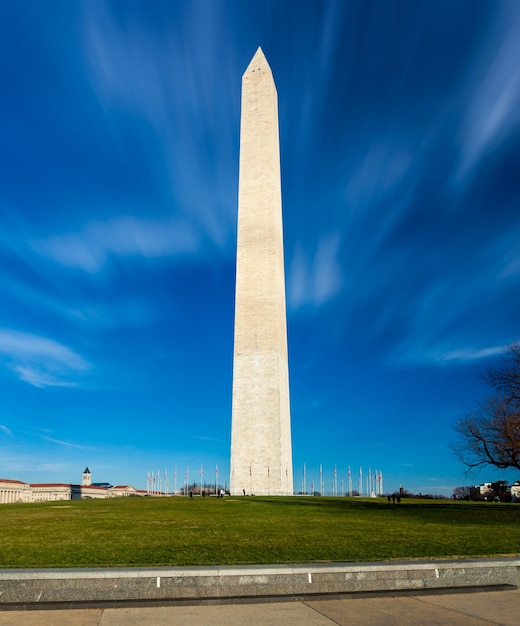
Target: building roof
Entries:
(51, 485)
(66, 485)
(9, 480)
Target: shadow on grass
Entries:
(422, 510)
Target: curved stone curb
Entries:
(252, 582)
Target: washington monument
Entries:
(261, 454)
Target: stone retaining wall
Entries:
(249, 582)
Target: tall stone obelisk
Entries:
(261, 453)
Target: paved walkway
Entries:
(468, 609)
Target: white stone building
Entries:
(12, 491)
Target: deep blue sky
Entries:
(400, 149)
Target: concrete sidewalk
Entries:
(470, 609)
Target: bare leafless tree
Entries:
(506, 378)
(462, 493)
(491, 434)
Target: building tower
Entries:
(86, 479)
(261, 453)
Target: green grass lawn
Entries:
(250, 530)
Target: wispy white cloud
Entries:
(40, 379)
(40, 463)
(508, 257)
(312, 281)
(67, 444)
(383, 168)
(125, 312)
(172, 95)
(5, 430)
(207, 438)
(423, 354)
(90, 248)
(468, 354)
(439, 310)
(40, 361)
(494, 108)
(24, 345)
